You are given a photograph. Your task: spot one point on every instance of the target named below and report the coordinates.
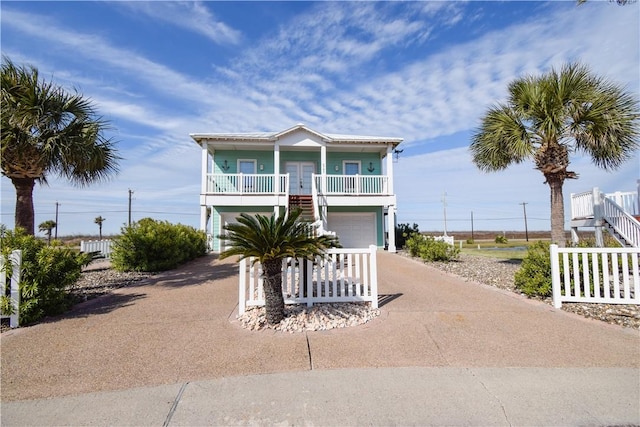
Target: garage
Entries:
(355, 230)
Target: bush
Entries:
(501, 239)
(150, 245)
(429, 249)
(47, 272)
(403, 231)
(534, 276)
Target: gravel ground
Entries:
(500, 273)
(99, 279)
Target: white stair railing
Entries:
(624, 225)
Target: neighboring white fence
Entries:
(595, 275)
(345, 275)
(102, 246)
(15, 260)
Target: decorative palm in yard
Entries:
(550, 116)
(46, 130)
(270, 240)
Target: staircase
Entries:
(623, 226)
(304, 202)
(616, 213)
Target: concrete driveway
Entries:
(170, 348)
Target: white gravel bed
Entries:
(320, 317)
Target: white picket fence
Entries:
(595, 275)
(344, 275)
(102, 246)
(15, 260)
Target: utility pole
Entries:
(472, 225)
(56, 233)
(526, 230)
(130, 193)
(444, 206)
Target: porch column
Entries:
(391, 228)
(203, 218)
(276, 178)
(205, 166)
(390, 170)
(323, 169)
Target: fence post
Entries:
(242, 291)
(373, 249)
(598, 216)
(556, 286)
(15, 263)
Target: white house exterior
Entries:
(344, 183)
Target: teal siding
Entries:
(264, 158)
(336, 159)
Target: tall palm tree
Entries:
(45, 131)
(270, 240)
(99, 220)
(46, 228)
(548, 117)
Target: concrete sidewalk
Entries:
(385, 396)
(447, 352)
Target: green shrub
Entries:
(403, 231)
(470, 241)
(150, 245)
(534, 276)
(429, 249)
(501, 239)
(47, 271)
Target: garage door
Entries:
(355, 230)
(230, 218)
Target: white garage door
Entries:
(230, 218)
(354, 230)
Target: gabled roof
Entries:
(274, 136)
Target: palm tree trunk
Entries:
(24, 203)
(273, 298)
(557, 210)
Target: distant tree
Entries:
(270, 240)
(99, 220)
(46, 228)
(548, 117)
(46, 131)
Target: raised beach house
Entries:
(343, 183)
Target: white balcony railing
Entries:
(356, 185)
(239, 183)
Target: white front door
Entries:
(300, 177)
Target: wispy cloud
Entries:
(191, 16)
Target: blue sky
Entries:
(422, 71)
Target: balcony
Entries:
(352, 185)
(247, 184)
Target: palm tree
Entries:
(46, 130)
(99, 220)
(270, 240)
(46, 227)
(548, 117)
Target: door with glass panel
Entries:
(247, 167)
(300, 177)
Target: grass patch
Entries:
(490, 248)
